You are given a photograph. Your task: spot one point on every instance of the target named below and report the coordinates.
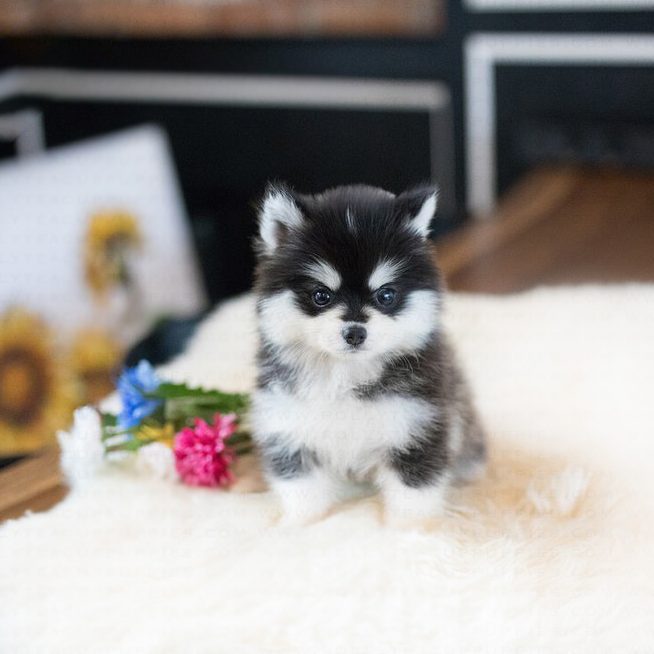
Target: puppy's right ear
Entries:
(278, 214)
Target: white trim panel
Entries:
(557, 5)
(258, 90)
(253, 90)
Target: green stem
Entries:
(131, 445)
(108, 433)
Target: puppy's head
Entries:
(347, 273)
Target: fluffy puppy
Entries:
(356, 379)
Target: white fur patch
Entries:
(278, 208)
(405, 505)
(324, 273)
(306, 498)
(422, 220)
(386, 272)
(407, 331)
(285, 325)
(349, 435)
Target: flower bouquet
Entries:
(175, 431)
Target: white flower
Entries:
(82, 452)
(156, 460)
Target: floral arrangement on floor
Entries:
(173, 430)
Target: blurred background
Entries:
(136, 137)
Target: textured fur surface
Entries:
(357, 381)
(551, 553)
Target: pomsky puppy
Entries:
(356, 379)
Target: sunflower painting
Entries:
(111, 238)
(37, 395)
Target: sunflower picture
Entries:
(111, 237)
(37, 396)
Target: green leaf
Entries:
(131, 445)
(169, 391)
(108, 420)
(182, 402)
(240, 437)
(182, 414)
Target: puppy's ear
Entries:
(418, 206)
(279, 212)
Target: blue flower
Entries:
(133, 386)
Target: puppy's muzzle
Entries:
(354, 335)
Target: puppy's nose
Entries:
(354, 335)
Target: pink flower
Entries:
(201, 456)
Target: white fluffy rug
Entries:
(552, 552)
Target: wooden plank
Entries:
(570, 226)
(232, 18)
(534, 199)
(35, 483)
(35, 504)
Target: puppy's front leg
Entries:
(305, 498)
(411, 507)
(414, 484)
(306, 490)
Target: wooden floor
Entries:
(556, 226)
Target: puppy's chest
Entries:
(342, 429)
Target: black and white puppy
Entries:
(356, 379)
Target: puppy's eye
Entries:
(386, 296)
(321, 297)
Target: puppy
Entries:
(356, 379)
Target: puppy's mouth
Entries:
(353, 350)
(349, 351)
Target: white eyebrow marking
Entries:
(349, 221)
(385, 272)
(322, 272)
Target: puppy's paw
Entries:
(412, 508)
(306, 499)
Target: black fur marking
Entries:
(418, 374)
(422, 462)
(287, 464)
(410, 202)
(378, 231)
(424, 375)
(272, 370)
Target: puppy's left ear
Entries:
(278, 214)
(418, 207)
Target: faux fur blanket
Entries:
(552, 552)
